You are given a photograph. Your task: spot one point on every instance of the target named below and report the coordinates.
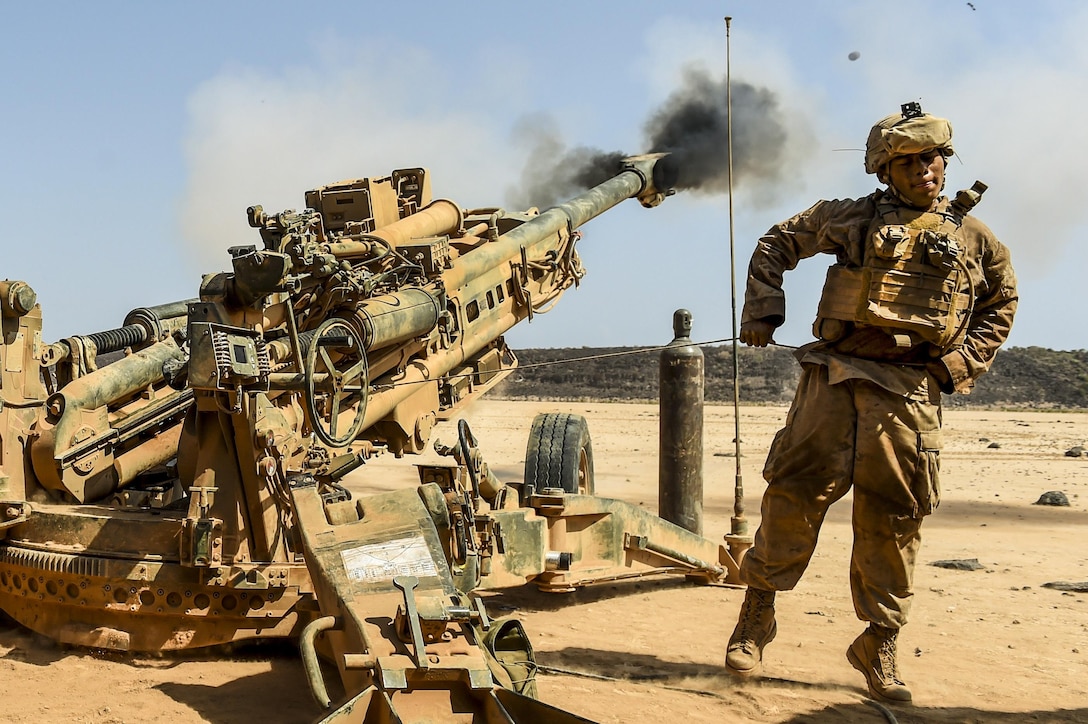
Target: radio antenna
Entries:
(738, 524)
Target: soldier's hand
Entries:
(757, 333)
(942, 375)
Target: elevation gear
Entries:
(755, 629)
(873, 653)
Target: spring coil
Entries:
(115, 340)
(305, 339)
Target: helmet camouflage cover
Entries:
(902, 134)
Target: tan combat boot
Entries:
(873, 654)
(755, 629)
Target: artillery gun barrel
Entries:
(644, 177)
(407, 313)
(647, 177)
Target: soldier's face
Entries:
(918, 177)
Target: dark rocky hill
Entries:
(1021, 377)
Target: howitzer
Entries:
(197, 490)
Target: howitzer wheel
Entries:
(559, 453)
(343, 382)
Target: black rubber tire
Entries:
(559, 454)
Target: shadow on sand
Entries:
(529, 599)
(864, 712)
(277, 695)
(712, 681)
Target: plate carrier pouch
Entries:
(913, 281)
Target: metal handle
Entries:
(308, 645)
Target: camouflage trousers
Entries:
(850, 434)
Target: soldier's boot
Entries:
(873, 653)
(755, 629)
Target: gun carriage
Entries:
(179, 482)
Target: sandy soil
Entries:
(991, 645)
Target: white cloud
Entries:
(1027, 146)
(266, 137)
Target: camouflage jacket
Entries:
(840, 227)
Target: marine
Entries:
(918, 301)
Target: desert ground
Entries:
(989, 645)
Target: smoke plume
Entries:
(553, 172)
(692, 124)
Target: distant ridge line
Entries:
(1020, 377)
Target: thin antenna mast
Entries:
(738, 524)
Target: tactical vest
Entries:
(913, 282)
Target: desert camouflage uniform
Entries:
(867, 413)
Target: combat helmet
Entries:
(902, 134)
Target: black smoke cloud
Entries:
(692, 124)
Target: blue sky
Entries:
(134, 136)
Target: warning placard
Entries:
(382, 561)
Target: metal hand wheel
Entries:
(336, 376)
